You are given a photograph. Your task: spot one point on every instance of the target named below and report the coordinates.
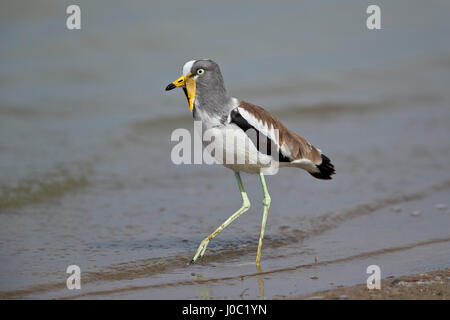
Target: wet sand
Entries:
(86, 176)
(395, 216)
(434, 285)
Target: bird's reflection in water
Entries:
(260, 282)
(205, 291)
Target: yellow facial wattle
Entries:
(191, 88)
(188, 82)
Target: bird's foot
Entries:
(201, 250)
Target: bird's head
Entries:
(199, 76)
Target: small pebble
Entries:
(315, 298)
(395, 282)
(441, 206)
(416, 213)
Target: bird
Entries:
(251, 126)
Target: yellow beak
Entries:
(188, 84)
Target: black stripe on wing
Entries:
(240, 121)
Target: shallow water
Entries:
(85, 170)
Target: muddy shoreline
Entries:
(434, 285)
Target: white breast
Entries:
(233, 148)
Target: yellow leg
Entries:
(245, 206)
(266, 204)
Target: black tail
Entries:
(326, 169)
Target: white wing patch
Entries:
(305, 164)
(285, 151)
(265, 128)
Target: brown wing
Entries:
(292, 146)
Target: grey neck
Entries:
(213, 99)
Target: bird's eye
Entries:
(200, 71)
